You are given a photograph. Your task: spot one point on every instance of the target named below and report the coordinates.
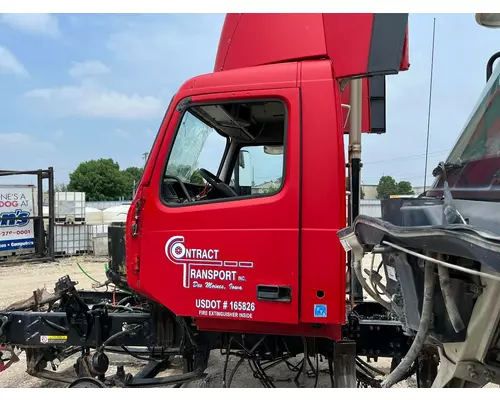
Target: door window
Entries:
(200, 150)
(260, 170)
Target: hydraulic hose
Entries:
(449, 301)
(128, 331)
(423, 327)
(361, 279)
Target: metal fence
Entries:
(370, 207)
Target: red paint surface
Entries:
(249, 40)
(323, 195)
(257, 39)
(270, 224)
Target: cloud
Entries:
(9, 64)
(88, 68)
(40, 24)
(146, 47)
(57, 135)
(23, 141)
(92, 100)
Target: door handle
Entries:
(282, 294)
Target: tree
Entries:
(196, 178)
(272, 188)
(404, 187)
(386, 186)
(131, 177)
(60, 187)
(100, 179)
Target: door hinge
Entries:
(135, 224)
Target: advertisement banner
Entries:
(16, 234)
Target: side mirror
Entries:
(245, 169)
(241, 159)
(488, 20)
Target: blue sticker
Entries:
(320, 310)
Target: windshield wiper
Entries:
(443, 167)
(451, 215)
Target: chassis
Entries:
(93, 323)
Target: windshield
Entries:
(481, 137)
(196, 145)
(473, 166)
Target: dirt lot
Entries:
(18, 282)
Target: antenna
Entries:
(430, 104)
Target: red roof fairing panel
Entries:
(357, 44)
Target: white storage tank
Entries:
(70, 207)
(70, 240)
(115, 214)
(93, 216)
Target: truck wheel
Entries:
(86, 383)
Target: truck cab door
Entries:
(219, 225)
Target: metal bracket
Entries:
(183, 104)
(475, 372)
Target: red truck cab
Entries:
(234, 222)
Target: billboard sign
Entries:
(16, 235)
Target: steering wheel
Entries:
(217, 184)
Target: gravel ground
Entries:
(18, 282)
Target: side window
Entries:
(198, 152)
(259, 170)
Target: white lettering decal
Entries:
(198, 254)
(242, 306)
(234, 287)
(212, 274)
(211, 285)
(208, 304)
(202, 264)
(219, 308)
(230, 314)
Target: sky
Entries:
(86, 86)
